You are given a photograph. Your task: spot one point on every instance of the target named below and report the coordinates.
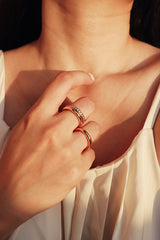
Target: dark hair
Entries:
(20, 22)
(145, 21)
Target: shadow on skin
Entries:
(45, 77)
(30, 85)
(116, 136)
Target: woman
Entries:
(46, 158)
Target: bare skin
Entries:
(101, 44)
(56, 157)
(125, 69)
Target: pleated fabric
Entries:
(118, 201)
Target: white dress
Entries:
(119, 201)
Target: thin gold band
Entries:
(86, 134)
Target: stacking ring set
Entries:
(81, 119)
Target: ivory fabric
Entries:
(119, 201)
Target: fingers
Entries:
(80, 141)
(57, 91)
(71, 122)
(88, 157)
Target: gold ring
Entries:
(86, 134)
(77, 112)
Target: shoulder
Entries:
(148, 59)
(145, 55)
(20, 67)
(144, 49)
(17, 61)
(145, 60)
(153, 70)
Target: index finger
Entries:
(57, 90)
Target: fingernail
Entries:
(92, 77)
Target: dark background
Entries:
(20, 22)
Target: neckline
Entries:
(148, 124)
(124, 155)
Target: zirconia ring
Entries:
(77, 112)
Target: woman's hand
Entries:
(43, 158)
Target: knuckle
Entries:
(52, 134)
(47, 133)
(60, 123)
(34, 112)
(29, 118)
(38, 106)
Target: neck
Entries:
(88, 35)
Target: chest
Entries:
(120, 109)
